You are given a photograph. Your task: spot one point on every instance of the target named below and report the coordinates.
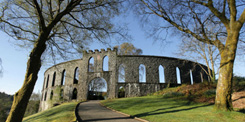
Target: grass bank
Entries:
(62, 113)
(179, 104)
(160, 109)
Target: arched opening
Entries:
(97, 89)
(61, 94)
(74, 94)
(47, 82)
(106, 63)
(201, 75)
(44, 82)
(121, 92)
(91, 65)
(178, 75)
(76, 76)
(121, 74)
(142, 74)
(191, 78)
(63, 77)
(51, 95)
(45, 96)
(161, 74)
(54, 75)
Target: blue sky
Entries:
(14, 59)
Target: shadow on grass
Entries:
(242, 110)
(172, 111)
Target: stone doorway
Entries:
(97, 89)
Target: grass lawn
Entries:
(62, 113)
(160, 109)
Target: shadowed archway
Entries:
(97, 89)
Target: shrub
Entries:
(210, 93)
(172, 94)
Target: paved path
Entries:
(92, 111)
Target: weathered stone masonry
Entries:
(61, 82)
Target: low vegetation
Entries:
(157, 108)
(62, 113)
(182, 104)
(5, 105)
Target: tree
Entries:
(54, 27)
(96, 89)
(97, 85)
(193, 18)
(200, 51)
(128, 49)
(33, 104)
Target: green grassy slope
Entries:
(160, 109)
(62, 113)
(186, 103)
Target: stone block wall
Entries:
(60, 82)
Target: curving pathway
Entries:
(92, 111)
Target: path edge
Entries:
(78, 119)
(134, 117)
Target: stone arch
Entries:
(61, 94)
(121, 73)
(201, 76)
(53, 81)
(97, 89)
(74, 94)
(121, 92)
(161, 74)
(63, 77)
(191, 77)
(91, 65)
(142, 73)
(44, 82)
(45, 96)
(47, 81)
(76, 75)
(178, 74)
(51, 95)
(105, 63)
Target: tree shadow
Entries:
(242, 110)
(171, 111)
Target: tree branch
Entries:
(40, 18)
(221, 16)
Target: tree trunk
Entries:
(224, 87)
(223, 99)
(21, 98)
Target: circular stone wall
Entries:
(66, 81)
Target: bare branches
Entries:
(241, 20)
(221, 16)
(73, 22)
(42, 24)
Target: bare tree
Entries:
(54, 27)
(199, 51)
(97, 85)
(128, 49)
(193, 18)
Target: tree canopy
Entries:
(207, 21)
(54, 27)
(128, 49)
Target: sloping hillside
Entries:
(5, 105)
